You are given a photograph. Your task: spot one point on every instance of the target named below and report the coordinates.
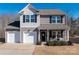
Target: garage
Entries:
(29, 37)
(12, 36)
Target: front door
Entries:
(43, 36)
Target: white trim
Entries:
(29, 19)
(27, 6)
(20, 36)
(56, 34)
(56, 20)
(5, 37)
(39, 40)
(67, 35)
(48, 35)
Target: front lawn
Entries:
(57, 50)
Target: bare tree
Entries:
(5, 19)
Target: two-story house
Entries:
(37, 26)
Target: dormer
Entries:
(29, 17)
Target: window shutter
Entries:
(61, 19)
(50, 18)
(23, 18)
(35, 18)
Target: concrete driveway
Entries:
(16, 49)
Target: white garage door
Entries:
(13, 37)
(29, 37)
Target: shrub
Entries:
(58, 43)
(50, 43)
(69, 43)
(38, 43)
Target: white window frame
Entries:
(52, 19)
(56, 20)
(33, 18)
(56, 33)
(29, 19)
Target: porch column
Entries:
(47, 35)
(67, 35)
(64, 35)
(21, 36)
(39, 41)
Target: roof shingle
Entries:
(51, 12)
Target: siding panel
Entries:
(44, 20)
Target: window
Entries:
(56, 19)
(60, 34)
(25, 18)
(29, 18)
(33, 18)
(56, 34)
(53, 19)
(53, 34)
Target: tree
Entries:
(5, 19)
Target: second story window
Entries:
(33, 18)
(29, 18)
(25, 18)
(59, 19)
(53, 19)
(56, 19)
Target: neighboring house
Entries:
(37, 26)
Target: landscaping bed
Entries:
(58, 43)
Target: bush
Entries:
(58, 43)
(50, 43)
(69, 43)
(38, 43)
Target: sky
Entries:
(71, 9)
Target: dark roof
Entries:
(14, 26)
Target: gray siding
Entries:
(46, 20)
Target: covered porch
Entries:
(53, 35)
(52, 32)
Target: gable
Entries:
(29, 9)
(27, 12)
